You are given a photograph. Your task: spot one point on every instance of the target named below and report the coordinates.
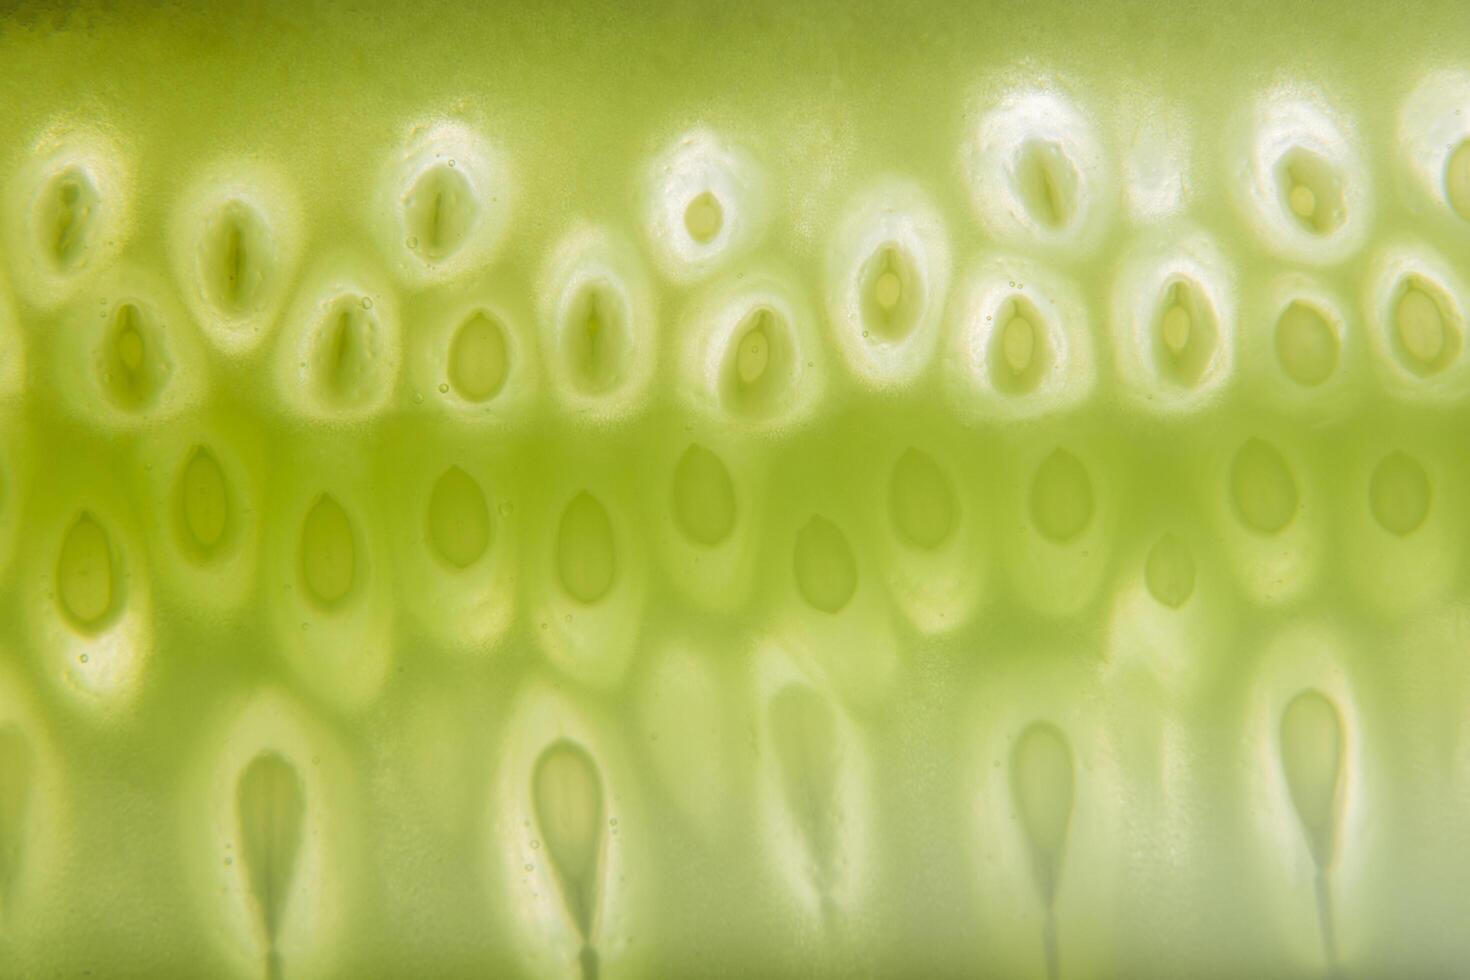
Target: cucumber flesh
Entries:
(782, 490)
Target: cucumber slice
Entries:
(815, 489)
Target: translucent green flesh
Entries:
(538, 555)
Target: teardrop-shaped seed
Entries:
(567, 794)
(1042, 783)
(1311, 757)
(271, 810)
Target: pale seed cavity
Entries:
(826, 571)
(458, 519)
(1457, 180)
(1020, 354)
(566, 793)
(597, 339)
(1306, 344)
(328, 558)
(1047, 183)
(86, 574)
(346, 353)
(1042, 786)
(1312, 760)
(891, 293)
(586, 558)
(1399, 493)
(479, 358)
(921, 502)
(271, 810)
(703, 497)
(203, 505)
(1061, 498)
(755, 354)
(134, 363)
(1169, 571)
(1187, 334)
(1426, 337)
(236, 259)
(439, 213)
(758, 366)
(1262, 488)
(1311, 189)
(704, 217)
(68, 213)
(809, 759)
(17, 763)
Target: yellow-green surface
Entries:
(734, 490)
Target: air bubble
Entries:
(826, 571)
(1399, 493)
(1061, 498)
(86, 574)
(328, 553)
(586, 558)
(1262, 488)
(921, 502)
(458, 519)
(703, 497)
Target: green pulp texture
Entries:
(762, 489)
